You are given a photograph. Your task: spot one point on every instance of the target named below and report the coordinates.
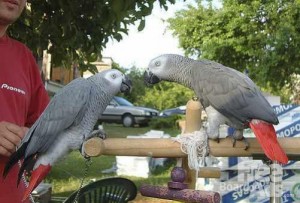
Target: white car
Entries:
(177, 110)
(122, 111)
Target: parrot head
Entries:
(117, 80)
(163, 67)
(154, 71)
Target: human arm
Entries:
(39, 98)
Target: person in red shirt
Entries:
(22, 97)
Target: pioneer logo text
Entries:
(11, 88)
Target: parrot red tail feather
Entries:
(36, 178)
(266, 136)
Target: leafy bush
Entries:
(165, 122)
(166, 95)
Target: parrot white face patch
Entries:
(117, 80)
(157, 66)
(114, 76)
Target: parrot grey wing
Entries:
(67, 107)
(234, 95)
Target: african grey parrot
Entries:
(228, 97)
(66, 123)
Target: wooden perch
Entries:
(156, 147)
(209, 172)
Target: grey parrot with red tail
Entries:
(66, 123)
(227, 95)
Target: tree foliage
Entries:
(76, 31)
(166, 95)
(160, 96)
(260, 36)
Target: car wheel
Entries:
(127, 120)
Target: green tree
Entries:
(76, 31)
(260, 36)
(166, 95)
(160, 96)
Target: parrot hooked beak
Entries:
(150, 78)
(36, 178)
(126, 85)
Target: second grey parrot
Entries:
(66, 123)
(227, 95)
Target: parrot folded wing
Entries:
(236, 96)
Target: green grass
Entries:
(114, 130)
(66, 175)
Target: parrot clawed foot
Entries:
(246, 143)
(267, 161)
(98, 133)
(217, 140)
(233, 142)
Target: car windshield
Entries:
(123, 102)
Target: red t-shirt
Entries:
(22, 99)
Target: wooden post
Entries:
(192, 124)
(193, 116)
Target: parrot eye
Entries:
(157, 63)
(113, 76)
